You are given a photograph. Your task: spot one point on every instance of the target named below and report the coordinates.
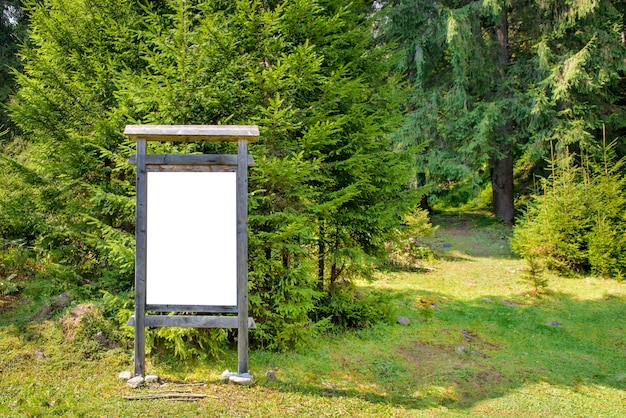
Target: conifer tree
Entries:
(495, 82)
(329, 188)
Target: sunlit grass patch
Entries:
(479, 343)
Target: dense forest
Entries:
(371, 114)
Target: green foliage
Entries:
(407, 251)
(71, 162)
(329, 188)
(533, 274)
(505, 79)
(90, 332)
(13, 25)
(579, 222)
(345, 307)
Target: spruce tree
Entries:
(494, 83)
(329, 188)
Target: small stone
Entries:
(271, 376)
(446, 245)
(461, 350)
(478, 354)
(241, 379)
(40, 354)
(125, 375)
(487, 300)
(101, 338)
(152, 378)
(466, 334)
(135, 382)
(62, 300)
(554, 324)
(45, 310)
(403, 320)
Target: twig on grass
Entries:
(170, 396)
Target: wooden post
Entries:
(191, 163)
(242, 255)
(140, 258)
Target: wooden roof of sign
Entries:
(191, 133)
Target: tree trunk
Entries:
(320, 260)
(502, 186)
(502, 163)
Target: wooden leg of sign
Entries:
(140, 259)
(242, 255)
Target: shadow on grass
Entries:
(466, 352)
(469, 234)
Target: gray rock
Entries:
(62, 300)
(125, 375)
(461, 350)
(45, 310)
(101, 338)
(446, 245)
(487, 300)
(403, 320)
(40, 354)
(271, 376)
(554, 324)
(478, 354)
(152, 378)
(241, 379)
(135, 382)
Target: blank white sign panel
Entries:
(192, 239)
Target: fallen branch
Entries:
(177, 396)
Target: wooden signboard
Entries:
(191, 234)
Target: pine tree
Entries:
(328, 184)
(72, 144)
(496, 82)
(329, 188)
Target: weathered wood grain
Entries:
(192, 133)
(188, 321)
(191, 308)
(191, 159)
(242, 255)
(140, 257)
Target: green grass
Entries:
(479, 344)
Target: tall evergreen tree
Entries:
(72, 144)
(496, 82)
(329, 187)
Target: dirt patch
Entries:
(7, 302)
(74, 318)
(427, 358)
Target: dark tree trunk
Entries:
(425, 205)
(502, 162)
(502, 186)
(320, 260)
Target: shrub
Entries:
(345, 308)
(579, 223)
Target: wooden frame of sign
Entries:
(169, 264)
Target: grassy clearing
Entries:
(478, 344)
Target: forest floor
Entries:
(479, 343)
